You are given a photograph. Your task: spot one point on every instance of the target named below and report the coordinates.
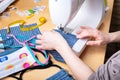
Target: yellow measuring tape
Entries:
(22, 22)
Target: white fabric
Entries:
(15, 62)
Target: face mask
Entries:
(16, 61)
(13, 60)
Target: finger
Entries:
(40, 47)
(93, 43)
(79, 31)
(39, 36)
(84, 35)
(38, 42)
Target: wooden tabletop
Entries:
(93, 56)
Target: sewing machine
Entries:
(69, 15)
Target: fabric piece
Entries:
(110, 70)
(61, 75)
(70, 38)
(1, 44)
(15, 61)
(17, 32)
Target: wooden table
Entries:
(93, 56)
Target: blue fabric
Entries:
(17, 32)
(11, 43)
(61, 75)
(9, 51)
(70, 38)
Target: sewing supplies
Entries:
(24, 42)
(21, 36)
(31, 11)
(17, 61)
(20, 59)
(29, 16)
(42, 20)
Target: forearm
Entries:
(77, 66)
(114, 37)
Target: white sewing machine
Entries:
(71, 14)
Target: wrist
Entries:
(63, 48)
(109, 38)
(113, 37)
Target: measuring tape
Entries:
(22, 22)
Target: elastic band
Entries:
(46, 56)
(40, 63)
(39, 67)
(30, 42)
(11, 35)
(24, 44)
(15, 77)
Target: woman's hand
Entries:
(97, 37)
(50, 40)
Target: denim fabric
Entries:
(70, 38)
(61, 75)
(6, 52)
(17, 32)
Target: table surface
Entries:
(92, 55)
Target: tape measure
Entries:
(42, 20)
